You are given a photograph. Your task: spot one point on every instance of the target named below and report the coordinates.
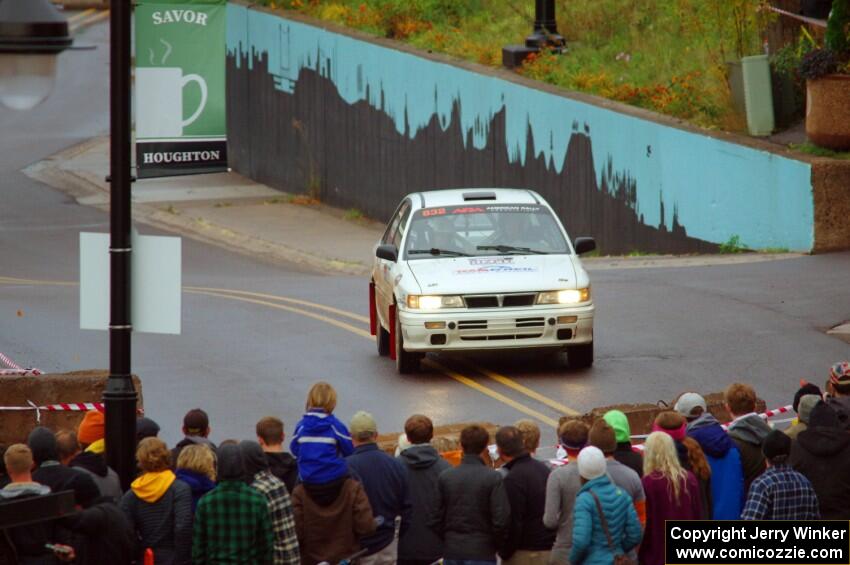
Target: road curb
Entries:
(82, 184)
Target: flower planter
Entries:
(828, 111)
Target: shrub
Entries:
(818, 63)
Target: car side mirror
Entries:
(584, 245)
(388, 252)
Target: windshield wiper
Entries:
(510, 249)
(437, 251)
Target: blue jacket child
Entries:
(320, 444)
(590, 544)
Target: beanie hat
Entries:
(42, 443)
(254, 458)
(196, 422)
(776, 444)
(92, 428)
(823, 416)
(805, 388)
(231, 465)
(804, 410)
(687, 402)
(602, 436)
(617, 420)
(591, 463)
(839, 373)
(145, 427)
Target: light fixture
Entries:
(32, 34)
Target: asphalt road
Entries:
(659, 331)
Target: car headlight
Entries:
(564, 296)
(425, 302)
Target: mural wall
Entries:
(362, 125)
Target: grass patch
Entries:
(638, 253)
(732, 245)
(353, 215)
(664, 56)
(812, 149)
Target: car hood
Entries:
(504, 273)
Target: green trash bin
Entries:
(758, 95)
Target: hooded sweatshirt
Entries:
(424, 466)
(727, 478)
(804, 410)
(622, 432)
(284, 467)
(50, 472)
(106, 479)
(28, 541)
(748, 433)
(199, 484)
(189, 440)
(159, 508)
(841, 405)
(821, 454)
(321, 442)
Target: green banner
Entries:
(180, 89)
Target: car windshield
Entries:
(483, 229)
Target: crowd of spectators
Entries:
(337, 494)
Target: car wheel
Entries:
(382, 336)
(405, 361)
(580, 356)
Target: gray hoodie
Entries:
(16, 490)
(748, 433)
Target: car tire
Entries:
(405, 362)
(580, 356)
(382, 337)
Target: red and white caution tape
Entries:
(15, 369)
(61, 407)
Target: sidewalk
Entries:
(239, 214)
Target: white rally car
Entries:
(477, 269)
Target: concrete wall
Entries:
(361, 122)
(79, 386)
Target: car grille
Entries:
(500, 300)
(500, 330)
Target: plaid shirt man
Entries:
(232, 526)
(781, 493)
(283, 519)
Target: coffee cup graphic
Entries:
(159, 104)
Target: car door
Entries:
(384, 272)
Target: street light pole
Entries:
(120, 396)
(545, 32)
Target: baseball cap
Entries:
(362, 422)
(687, 402)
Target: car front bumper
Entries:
(502, 328)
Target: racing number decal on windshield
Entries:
(433, 212)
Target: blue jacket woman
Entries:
(590, 545)
(727, 475)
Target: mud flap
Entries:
(373, 312)
(392, 332)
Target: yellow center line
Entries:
(262, 299)
(429, 362)
(99, 16)
(490, 392)
(337, 311)
(80, 15)
(320, 317)
(509, 382)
